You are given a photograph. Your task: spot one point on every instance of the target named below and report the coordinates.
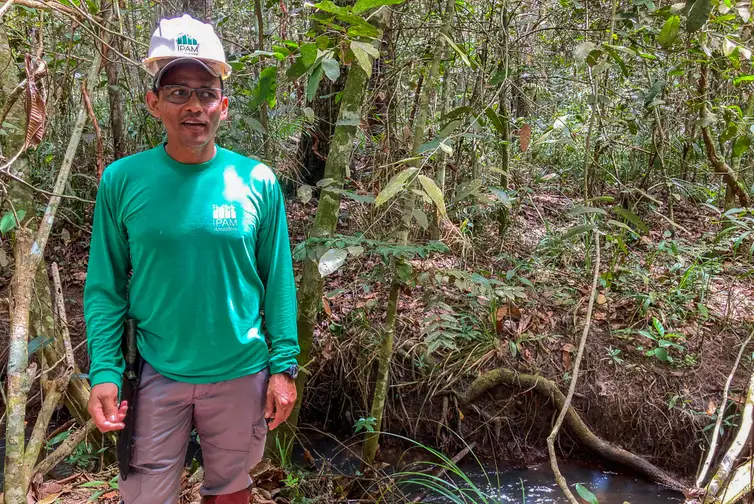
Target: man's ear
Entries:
(224, 105)
(153, 103)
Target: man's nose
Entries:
(193, 104)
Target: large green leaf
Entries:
(458, 50)
(495, 119)
(309, 54)
(314, 80)
(585, 494)
(669, 32)
(577, 230)
(362, 56)
(434, 192)
(329, 6)
(742, 145)
(394, 186)
(698, 15)
(8, 221)
(631, 217)
(267, 79)
(365, 5)
(332, 68)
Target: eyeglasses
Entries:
(175, 93)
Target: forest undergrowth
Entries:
(671, 313)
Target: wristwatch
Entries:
(292, 371)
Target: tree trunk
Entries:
(434, 230)
(263, 118)
(115, 97)
(29, 252)
(505, 149)
(369, 450)
(325, 223)
(718, 163)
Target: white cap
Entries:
(182, 39)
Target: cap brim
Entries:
(177, 61)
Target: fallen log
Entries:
(550, 390)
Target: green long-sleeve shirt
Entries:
(208, 251)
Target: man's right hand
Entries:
(103, 407)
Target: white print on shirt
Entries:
(224, 217)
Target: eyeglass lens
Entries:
(181, 94)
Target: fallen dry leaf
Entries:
(601, 299)
(568, 350)
(326, 306)
(711, 408)
(49, 499)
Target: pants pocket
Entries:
(258, 439)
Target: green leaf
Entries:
(577, 230)
(458, 50)
(582, 51)
(314, 80)
(330, 7)
(332, 68)
(365, 5)
(367, 48)
(309, 54)
(296, 70)
(742, 145)
(362, 56)
(267, 80)
(434, 192)
(580, 210)
(502, 195)
(631, 217)
(8, 221)
(394, 186)
(93, 484)
(421, 218)
(743, 78)
(585, 494)
(616, 57)
(495, 119)
(449, 128)
(669, 32)
(658, 326)
(622, 226)
(698, 15)
(460, 111)
(661, 353)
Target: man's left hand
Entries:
(281, 397)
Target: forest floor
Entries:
(517, 302)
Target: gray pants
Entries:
(229, 419)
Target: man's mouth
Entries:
(194, 125)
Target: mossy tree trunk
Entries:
(369, 450)
(325, 223)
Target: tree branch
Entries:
(65, 449)
(574, 377)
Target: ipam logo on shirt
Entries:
(224, 217)
(187, 44)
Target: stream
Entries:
(530, 485)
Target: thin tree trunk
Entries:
(115, 97)
(369, 450)
(718, 163)
(325, 224)
(502, 218)
(263, 117)
(434, 231)
(29, 252)
(735, 163)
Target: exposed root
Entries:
(550, 390)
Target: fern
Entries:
(443, 329)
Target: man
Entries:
(203, 233)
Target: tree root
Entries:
(550, 390)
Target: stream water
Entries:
(530, 485)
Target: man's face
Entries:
(192, 124)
